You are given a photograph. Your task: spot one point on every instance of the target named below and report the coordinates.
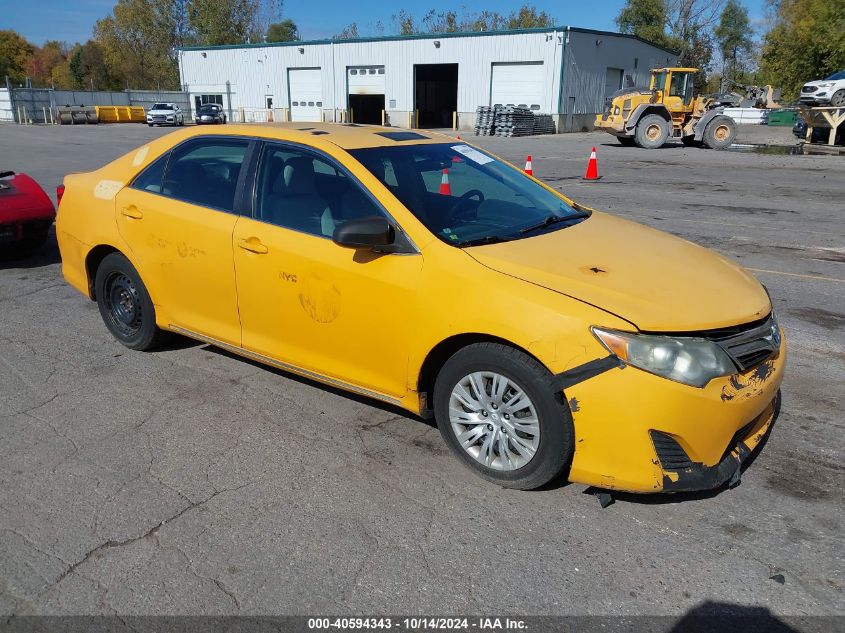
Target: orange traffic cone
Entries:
(592, 172)
(529, 167)
(445, 188)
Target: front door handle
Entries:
(253, 245)
(132, 212)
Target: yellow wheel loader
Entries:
(667, 109)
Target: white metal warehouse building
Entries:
(428, 81)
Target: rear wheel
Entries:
(627, 141)
(652, 131)
(499, 412)
(720, 132)
(125, 304)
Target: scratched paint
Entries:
(107, 189)
(574, 405)
(319, 298)
(750, 385)
(140, 156)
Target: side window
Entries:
(303, 191)
(205, 172)
(150, 178)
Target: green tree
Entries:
(646, 19)
(284, 31)
(138, 43)
(218, 22)
(15, 51)
(806, 42)
(528, 17)
(733, 33)
(88, 68)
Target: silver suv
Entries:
(165, 114)
(829, 91)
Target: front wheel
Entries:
(837, 99)
(652, 131)
(499, 412)
(720, 132)
(125, 304)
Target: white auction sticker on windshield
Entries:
(473, 154)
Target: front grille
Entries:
(809, 89)
(669, 452)
(749, 345)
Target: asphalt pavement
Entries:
(190, 481)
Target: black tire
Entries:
(627, 141)
(837, 99)
(556, 443)
(689, 141)
(720, 132)
(125, 304)
(652, 131)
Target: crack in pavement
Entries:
(152, 532)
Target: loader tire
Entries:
(720, 133)
(652, 131)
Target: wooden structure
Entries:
(823, 117)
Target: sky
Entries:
(41, 20)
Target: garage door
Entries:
(306, 94)
(366, 80)
(612, 81)
(518, 84)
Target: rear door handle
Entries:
(253, 245)
(132, 212)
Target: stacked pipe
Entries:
(485, 120)
(544, 124)
(514, 121)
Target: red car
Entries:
(26, 214)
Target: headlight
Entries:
(824, 85)
(691, 361)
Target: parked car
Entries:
(825, 92)
(820, 134)
(165, 114)
(210, 113)
(544, 337)
(26, 214)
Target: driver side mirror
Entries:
(364, 233)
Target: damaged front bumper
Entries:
(637, 432)
(696, 476)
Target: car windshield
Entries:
(837, 76)
(465, 196)
(209, 108)
(162, 106)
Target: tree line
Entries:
(136, 44)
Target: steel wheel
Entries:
(721, 133)
(123, 303)
(494, 420)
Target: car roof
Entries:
(344, 135)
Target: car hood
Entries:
(658, 282)
(161, 111)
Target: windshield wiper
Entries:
(487, 239)
(555, 219)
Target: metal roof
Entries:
(423, 36)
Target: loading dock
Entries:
(365, 93)
(435, 94)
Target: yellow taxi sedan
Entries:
(544, 337)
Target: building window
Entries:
(353, 71)
(381, 71)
